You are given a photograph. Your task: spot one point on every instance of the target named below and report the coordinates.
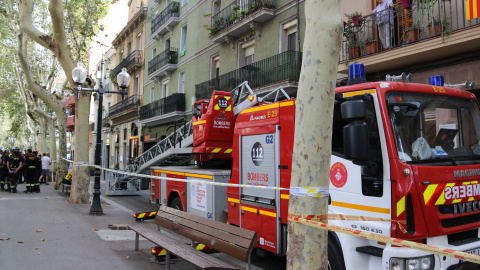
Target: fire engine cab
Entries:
(400, 151)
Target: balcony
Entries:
(282, 68)
(106, 122)
(71, 123)
(124, 107)
(131, 62)
(163, 64)
(70, 103)
(240, 17)
(434, 31)
(165, 21)
(163, 110)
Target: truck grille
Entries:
(459, 221)
(462, 238)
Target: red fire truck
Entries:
(400, 151)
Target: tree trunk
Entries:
(53, 139)
(79, 192)
(307, 246)
(42, 138)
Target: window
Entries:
(129, 48)
(154, 53)
(136, 86)
(183, 41)
(181, 82)
(184, 2)
(167, 44)
(288, 36)
(138, 42)
(165, 88)
(152, 91)
(108, 108)
(246, 53)
(120, 56)
(215, 67)
(216, 7)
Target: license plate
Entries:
(475, 251)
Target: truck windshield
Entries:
(433, 128)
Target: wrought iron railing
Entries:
(127, 104)
(425, 19)
(172, 103)
(136, 57)
(172, 10)
(169, 56)
(281, 67)
(236, 12)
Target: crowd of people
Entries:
(29, 167)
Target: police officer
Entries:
(31, 164)
(3, 162)
(14, 165)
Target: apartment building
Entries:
(195, 47)
(434, 38)
(123, 112)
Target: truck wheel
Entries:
(335, 257)
(177, 204)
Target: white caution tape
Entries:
(301, 191)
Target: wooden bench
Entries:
(231, 240)
(66, 187)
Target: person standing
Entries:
(384, 16)
(14, 165)
(46, 161)
(31, 164)
(4, 169)
(38, 172)
(2, 183)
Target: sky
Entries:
(114, 22)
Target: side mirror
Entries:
(355, 134)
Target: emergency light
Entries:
(437, 80)
(356, 74)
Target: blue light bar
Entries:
(437, 80)
(356, 71)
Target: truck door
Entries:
(259, 159)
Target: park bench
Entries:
(66, 187)
(231, 240)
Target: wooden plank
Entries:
(180, 249)
(212, 223)
(212, 231)
(211, 241)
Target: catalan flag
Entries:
(473, 9)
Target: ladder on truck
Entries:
(174, 150)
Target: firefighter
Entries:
(3, 163)
(14, 165)
(37, 172)
(31, 164)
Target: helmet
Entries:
(16, 149)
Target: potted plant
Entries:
(356, 18)
(412, 33)
(438, 27)
(406, 3)
(372, 46)
(92, 170)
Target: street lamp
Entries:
(79, 75)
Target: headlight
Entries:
(419, 263)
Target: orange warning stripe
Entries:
(362, 207)
(394, 241)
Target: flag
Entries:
(473, 9)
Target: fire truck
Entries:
(401, 151)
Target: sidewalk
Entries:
(44, 231)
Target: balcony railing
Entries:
(431, 19)
(172, 10)
(169, 56)
(172, 103)
(281, 67)
(236, 11)
(125, 105)
(135, 58)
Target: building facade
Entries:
(195, 47)
(123, 114)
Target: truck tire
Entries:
(335, 256)
(177, 204)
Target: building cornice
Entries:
(138, 19)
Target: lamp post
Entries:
(79, 75)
